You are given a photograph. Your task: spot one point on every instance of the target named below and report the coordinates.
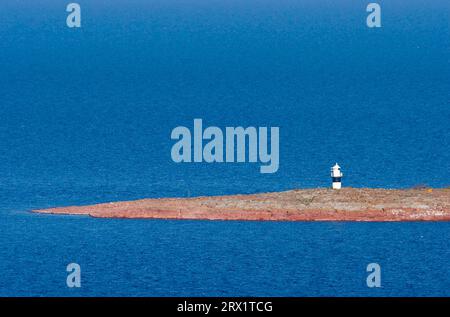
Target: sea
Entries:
(86, 116)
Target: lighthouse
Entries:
(336, 176)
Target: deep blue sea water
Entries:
(86, 116)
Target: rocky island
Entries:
(348, 204)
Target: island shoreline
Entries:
(319, 205)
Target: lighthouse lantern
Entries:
(336, 176)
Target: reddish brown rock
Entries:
(348, 204)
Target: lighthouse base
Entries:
(337, 185)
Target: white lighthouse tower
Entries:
(336, 176)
